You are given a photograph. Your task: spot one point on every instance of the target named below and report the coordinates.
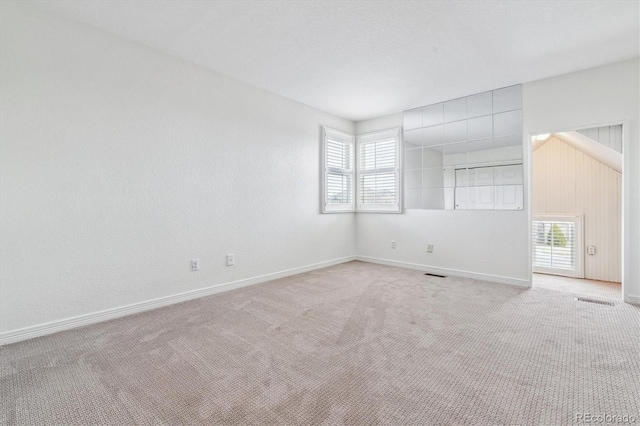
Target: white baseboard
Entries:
(444, 271)
(634, 300)
(95, 317)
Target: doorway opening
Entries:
(577, 215)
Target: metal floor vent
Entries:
(598, 302)
(436, 275)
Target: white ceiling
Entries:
(363, 59)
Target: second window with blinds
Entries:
(377, 172)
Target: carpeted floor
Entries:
(357, 343)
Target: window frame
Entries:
(396, 134)
(348, 139)
(578, 221)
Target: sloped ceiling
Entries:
(363, 59)
(588, 146)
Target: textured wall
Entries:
(565, 180)
(120, 164)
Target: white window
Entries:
(338, 164)
(557, 245)
(370, 184)
(378, 172)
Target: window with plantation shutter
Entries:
(557, 245)
(378, 172)
(338, 176)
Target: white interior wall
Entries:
(496, 243)
(120, 164)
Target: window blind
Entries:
(554, 245)
(378, 171)
(557, 245)
(338, 158)
(339, 172)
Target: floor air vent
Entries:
(436, 275)
(598, 302)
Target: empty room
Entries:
(319, 212)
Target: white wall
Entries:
(599, 96)
(497, 243)
(566, 180)
(119, 164)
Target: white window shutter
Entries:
(338, 171)
(557, 244)
(378, 172)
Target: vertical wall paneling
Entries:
(609, 136)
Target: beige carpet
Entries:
(357, 343)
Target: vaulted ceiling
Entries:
(362, 59)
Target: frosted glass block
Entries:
(455, 132)
(507, 123)
(507, 153)
(413, 158)
(479, 128)
(413, 178)
(507, 99)
(480, 151)
(508, 175)
(480, 198)
(455, 110)
(462, 177)
(461, 198)
(511, 140)
(432, 178)
(433, 198)
(480, 104)
(412, 119)
(480, 176)
(509, 197)
(433, 135)
(413, 137)
(455, 154)
(449, 198)
(432, 115)
(432, 156)
(413, 199)
(448, 177)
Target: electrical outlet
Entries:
(195, 265)
(591, 250)
(393, 244)
(429, 248)
(230, 259)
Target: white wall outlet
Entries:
(393, 244)
(429, 248)
(195, 265)
(230, 259)
(591, 250)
